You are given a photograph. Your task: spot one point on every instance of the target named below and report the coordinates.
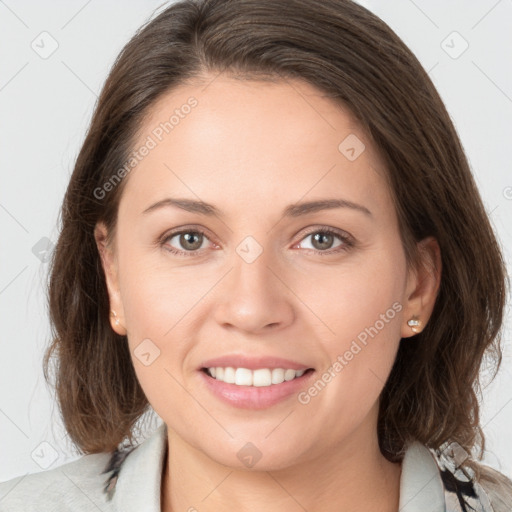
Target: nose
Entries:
(255, 297)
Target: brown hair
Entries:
(357, 60)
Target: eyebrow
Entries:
(293, 210)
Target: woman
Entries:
(272, 237)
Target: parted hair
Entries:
(354, 58)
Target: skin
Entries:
(252, 148)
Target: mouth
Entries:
(254, 389)
(258, 378)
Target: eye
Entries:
(189, 241)
(323, 239)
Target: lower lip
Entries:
(255, 397)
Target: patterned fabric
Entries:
(461, 492)
(114, 465)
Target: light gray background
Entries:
(45, 107)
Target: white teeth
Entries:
(260, 378)
(289, 374)
(243, 377)
(229, 375)
(277, 375)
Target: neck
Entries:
(352, 476)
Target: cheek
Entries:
(157, 294)
(157, 304)
(160, 303)
(361, 309)
(356, 294)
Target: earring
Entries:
(414, 323)
(116, 320)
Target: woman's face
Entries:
(257, 278)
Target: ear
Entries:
(109, 263)
(422, 286)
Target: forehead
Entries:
(250, 143)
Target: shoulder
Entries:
(77, 485)
(107, 481)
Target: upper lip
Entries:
(253, 363)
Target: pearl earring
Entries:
(414, 323)
(116, 320)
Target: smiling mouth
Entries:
(263, 377)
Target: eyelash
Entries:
(348, 242)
